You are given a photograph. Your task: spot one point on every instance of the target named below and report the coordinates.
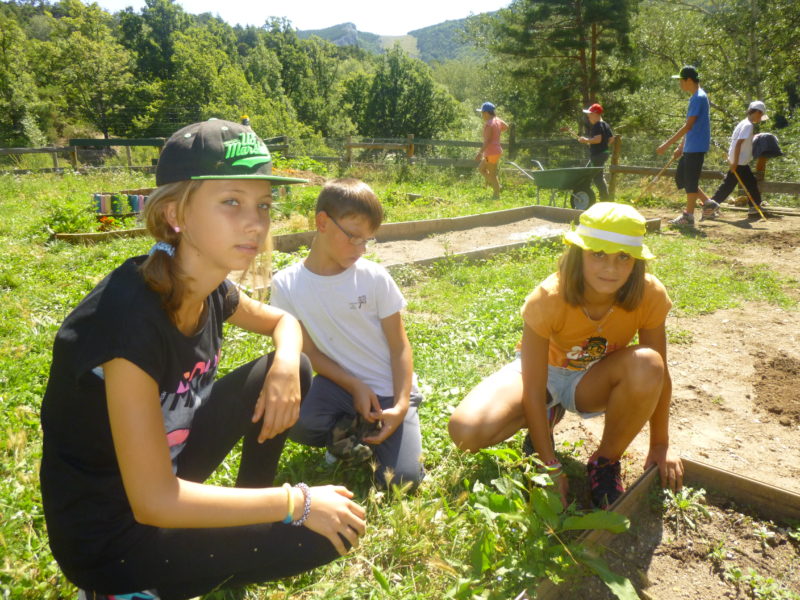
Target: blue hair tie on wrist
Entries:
(164, 247)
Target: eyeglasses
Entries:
(353, 239)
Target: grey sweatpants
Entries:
(326, 402)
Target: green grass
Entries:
(463, 321)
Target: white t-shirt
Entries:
(743, 131)
(342, 314)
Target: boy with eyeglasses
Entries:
(349, 308)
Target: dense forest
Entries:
(68, 69)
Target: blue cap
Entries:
(486, 107)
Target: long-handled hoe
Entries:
(739, 179)
(746, 191)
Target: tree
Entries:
(556, 55)
(92, 69)
(404, 99)
(18, 94)
(151, 37)
(207, 83)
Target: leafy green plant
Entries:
(757, 586)
(72, 215)
(299, 163)
(766, 588)
(765, 537)
(281, 260)
(717, 554)
(523, 533)
(572, 449)
(683, 508)
(794, 533)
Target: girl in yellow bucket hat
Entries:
(575, 356)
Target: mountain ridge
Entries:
(438, 42)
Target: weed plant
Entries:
(684, 508)
(463, 322)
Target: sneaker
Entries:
(554, 416)
(684, 220)
(145, 595)
(710, 210)
(605, 481)
(752, 213)
(346, 439)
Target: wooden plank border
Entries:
(768, 501)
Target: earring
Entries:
(176, 229)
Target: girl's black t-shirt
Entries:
(89, 519)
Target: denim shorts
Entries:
(561, 383)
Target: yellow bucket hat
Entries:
(610, 227)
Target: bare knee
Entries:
(465, 435)
(646, 370)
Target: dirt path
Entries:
(453, 242)
(736, 403)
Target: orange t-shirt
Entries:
(576, 342)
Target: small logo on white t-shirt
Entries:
(362, 300)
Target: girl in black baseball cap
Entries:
(134, 420)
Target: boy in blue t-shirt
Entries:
(692, 149)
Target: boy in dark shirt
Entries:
(598, 140)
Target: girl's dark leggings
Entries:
(183, 563)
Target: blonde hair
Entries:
(160, 271)
(348, 196)
(571, 282)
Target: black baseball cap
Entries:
(216, 149)
(687, 72)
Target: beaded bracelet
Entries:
(306, 504)
(290, 498)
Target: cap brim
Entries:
(274, 178)
(677, 77)
(597, 245)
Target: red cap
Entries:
(594, 108)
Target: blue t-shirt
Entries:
(698, 138)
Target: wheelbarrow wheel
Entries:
(581, 199)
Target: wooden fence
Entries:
(408, 147)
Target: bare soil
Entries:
(664, 562)
(454, 242)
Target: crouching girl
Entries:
(134, 421)
(575, 356)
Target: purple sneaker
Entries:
(605, 481)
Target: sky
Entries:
(374, 16)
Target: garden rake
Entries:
(653, 180)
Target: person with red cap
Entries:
(599, 138)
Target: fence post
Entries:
(55, 159)
(615, 152)
(348, 150)
(73, 157)
(128, 156)
(512, 141)
(410, 146)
